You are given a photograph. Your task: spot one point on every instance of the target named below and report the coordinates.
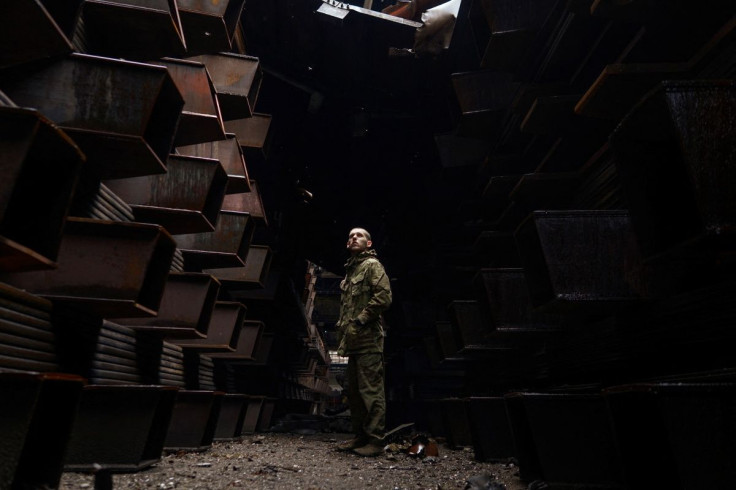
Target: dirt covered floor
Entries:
(310, 461)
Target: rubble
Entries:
(287, 460)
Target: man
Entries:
(366, 293)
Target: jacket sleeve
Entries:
(380, 294)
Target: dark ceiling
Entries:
(352, 134)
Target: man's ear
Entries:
(370, 244)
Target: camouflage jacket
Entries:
(366, 293)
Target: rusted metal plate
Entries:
(237, 79)
(480, 20)
(674, 152)
(32, 209)
(455, 414)
(513, 30)
(250, 334)
(123, 115)
(472, 328)
(64, 13)
(505, 299)
(230, 155)
(552, 115)
(210, 25)
(252, 275)
(449, 343)
(105, 268)
(41, 462)
(20, 392)
(230, 419)
(227, 246)
(186, 307)
(498, 247)
(545, 190)
(267, 410)
(252, 414)
(573, 427)
(684, 427)
(119, 428)
(484, 98)
(490, 429)
(186, 199)
(131, 29)
(252, 132)
(201, 119)
(19, 44)
(193, 421)
(223, 332)
(247, 202)
(579, 259)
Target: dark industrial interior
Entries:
(548, 184)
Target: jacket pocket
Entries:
(357, 284)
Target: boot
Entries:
(353, 443)
(373, 448)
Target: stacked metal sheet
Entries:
(26, 332)
(199, 371)
(94, 199)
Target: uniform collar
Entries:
(357, 259)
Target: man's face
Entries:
(358, 241)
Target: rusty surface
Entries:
(684, 427)
(119, 427)
(186, 307)
(252, 131)
(579, 259)
(513, 30)
(227, 246)
(673, 154)
(186, 199)
(472, 329)
(230, 155)
(19, 44)
(505, 294)
(247, 202)
(201, 118)
(484, 98)
(490, 428)
(30, 145)
(131, 29)
(121, 114)
(193, 420)
(573, 438)
(252, 414)
(250, 334)
(498, 247)
(41, 462)
(210, 26)
(230, 419)
(112, 269)
(20, 392)
(267, 410)
(223, 332)
(446, 336)
(237, 79)
(252, 275)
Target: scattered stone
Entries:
(285, 460)
(486, 481)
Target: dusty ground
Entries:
(293, 461)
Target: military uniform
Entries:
(366, 293)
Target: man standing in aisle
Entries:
(366, 293)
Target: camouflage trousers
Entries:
(366, 395)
